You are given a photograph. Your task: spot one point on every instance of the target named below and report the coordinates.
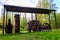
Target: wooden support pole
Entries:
(3, 22)
(32, 16)
(49, 19)
(36, 16)
(55, 19)
(6, 16)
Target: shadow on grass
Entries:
(15, 34)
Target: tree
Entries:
(23, 22)
(58, 19)
(42, 4)
(44, 18)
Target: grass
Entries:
(52, 35)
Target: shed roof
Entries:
(27, 9)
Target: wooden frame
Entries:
(12, 8)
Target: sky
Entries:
(57, 5)
(27, 3)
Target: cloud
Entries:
(26, 3)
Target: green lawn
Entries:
(52, 35)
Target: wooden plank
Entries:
(27, 9)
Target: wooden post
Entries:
(3, 21)
(36, 16)
(55, 19)
(49, 19)
(17, 23)
(32, 16)
(6, 16)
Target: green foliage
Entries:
(43, 18)
(58, 19)
(23, 22)
(46, 4)
(52, 19)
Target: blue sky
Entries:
(57, 4)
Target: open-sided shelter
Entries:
(11, 8)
